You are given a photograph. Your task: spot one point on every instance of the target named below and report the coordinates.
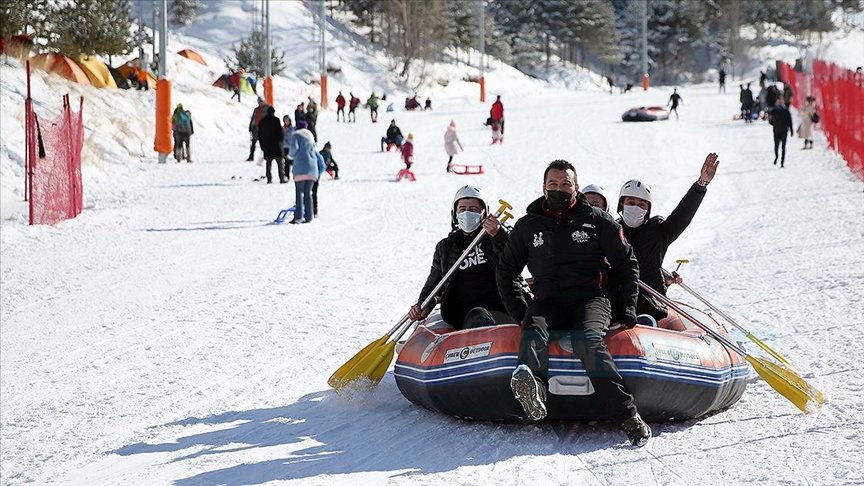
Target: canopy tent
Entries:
(130, 66)
(190, 54)
(97, 72)
(119, 80)
(222, 82)
(60, 64)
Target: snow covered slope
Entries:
(170, 335)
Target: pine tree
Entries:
(183, 12)
(251, 56)
(91, 27)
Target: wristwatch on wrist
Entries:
(702, 183)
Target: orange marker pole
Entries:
(645, 82)
(268, 90)
(482, 89)
(163, 143)
(323, 91)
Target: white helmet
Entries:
(596, 189)
(635, 188)
(468, 192)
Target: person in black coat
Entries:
(781, 119)
(470, 298)
(651, 236)
(747, 104)
(270, 137)
(570, 248)
(393, 137)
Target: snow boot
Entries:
(637, 430)
(529, 392)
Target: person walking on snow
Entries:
(353, 103)
(570, 247)
(650, 236)
(781, 120)
(674, 100)
(808, 118)
(340, 107)
(305, 173)
(181, 125)
(452, 144)
(470, 298)
(257, 114)
(270, 137)
(497, 113)
(372, 103)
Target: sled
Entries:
(405, 173)
(462, 169)
(280, 218)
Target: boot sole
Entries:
(526, 392)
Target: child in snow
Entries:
(408, 151)
(330, 164)
(452, 144)
(497, 136)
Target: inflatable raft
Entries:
(645, 113)
(675, 371)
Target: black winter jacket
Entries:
(651, 240)
(781, 119)
(393, 132)
(270, 137)
(447, 251)
(568, 259)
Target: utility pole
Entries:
(645, 78)
(482, 8)
(153, 41)
(268, 62)
(322, 23)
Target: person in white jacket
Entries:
(452, 144)
(805, 130)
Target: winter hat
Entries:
(452, 123)
(271, 110)
(301, 124)
(327, 145)
(410, 136)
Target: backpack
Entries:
(814, 117)
(184, 122)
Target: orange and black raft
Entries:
(675, 371)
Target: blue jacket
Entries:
(322, 167)
(304, 154)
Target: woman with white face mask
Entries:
(651, 236)
(470, 298)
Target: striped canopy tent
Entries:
(130, 66)
(190, 54)
(60, 64)
(97, 72)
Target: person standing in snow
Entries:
(787, 94)
(452, 144)
(181, 125)
(340, 107)
(353, 103)
(650, 236)
(270, 136)
(312, 118)
(287, 133)
(781, 120)
(674, 100)
(372, 103)
(747, 104)
(408, 151)
(305, 173)
(470, 298)
(722, 79)
(570, 247)
(319, 159)
(808, 118)
(299, 113)
(257, 114)
(234, 84)
(497, 113)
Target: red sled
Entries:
(466, 169)
(406, 173)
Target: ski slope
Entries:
(172, 335)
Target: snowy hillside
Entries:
(172, 335)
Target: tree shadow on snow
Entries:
(380, 432)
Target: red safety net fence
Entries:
(54, 164)
(839, 94)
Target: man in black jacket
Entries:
(393, 137)
(566, 244)
(651, 236)
(270, 136)
(470, 298)
(781, 119)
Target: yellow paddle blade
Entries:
(807, 398)
(338, 377)
(774, 354)
(369, 366)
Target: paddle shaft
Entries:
(710, 306)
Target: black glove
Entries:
(627, 319)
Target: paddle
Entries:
(371, 362)
(722, 314)
(785, 381)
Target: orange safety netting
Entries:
(839, 94)
(54, 164)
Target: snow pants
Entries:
(279, 168)
(780, 141)
(585, 322)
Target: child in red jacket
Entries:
(408, 151)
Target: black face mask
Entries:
(558, 201)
